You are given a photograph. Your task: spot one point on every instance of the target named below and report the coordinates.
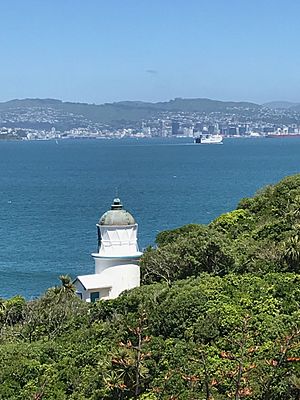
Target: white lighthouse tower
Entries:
(117, 259)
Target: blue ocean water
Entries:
(52, 195)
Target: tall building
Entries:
(116, 260)
(211, 129)
(175, 127)
(199, 126)
(163, 128)
(188, 132)
(242, 130)
(232, 130)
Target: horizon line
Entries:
(144, 101)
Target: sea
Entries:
(54, 192)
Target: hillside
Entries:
(217, 317)
(260, 236)
(280, 104)
(126, 110)
(296, 108)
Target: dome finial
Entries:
(117, 205)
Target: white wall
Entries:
(101, 264)
(115, 278)
(104, 292)
(81, 289)
(122, 277)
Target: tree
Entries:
(291, 253)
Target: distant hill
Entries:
(296, 107)
(280, 104)
(128, 110)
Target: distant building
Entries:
(291, 129)
(232, 130)
(117, 259)
(224, 130)
(188, 132)
(175, 128)
(199, 126)
(242, 130)
(268, 129)
(211, 129)
(163, 128)
(146, 130)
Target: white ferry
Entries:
(207, 138)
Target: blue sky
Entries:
(102, 51)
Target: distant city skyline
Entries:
(99, 51)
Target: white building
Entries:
(117, 260)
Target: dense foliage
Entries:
(260, 236)
(218, 319)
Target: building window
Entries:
(95, 296)
(79, 294)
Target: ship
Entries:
(207, 138)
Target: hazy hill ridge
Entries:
(281, 104)
(128, 110)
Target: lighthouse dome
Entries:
(117, 215)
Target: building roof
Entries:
(117, 216)
(93, 281)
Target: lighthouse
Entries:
(117, 257)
